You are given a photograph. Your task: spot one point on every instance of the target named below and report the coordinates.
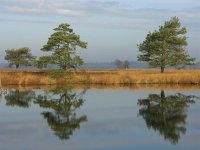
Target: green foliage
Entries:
(166, 47)
(43, 61)
(63, 44)
(19, 57)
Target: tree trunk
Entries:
(162, 69)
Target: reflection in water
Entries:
(63, 103)
(19, 98)
(166, 114)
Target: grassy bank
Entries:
(104, 77)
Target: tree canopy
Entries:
(43, 61)
(63, 44)
(19, 57)
(122, 64)
(166, 46)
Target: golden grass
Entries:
(141, 76)
(103, 77)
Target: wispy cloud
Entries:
(58, 7)
(16, 9)
(109, 13)
(96, 7)
(67, 12)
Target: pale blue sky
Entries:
(112, 28)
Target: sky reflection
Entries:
(113, 120)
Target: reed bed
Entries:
(102, 77)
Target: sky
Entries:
(112, 28)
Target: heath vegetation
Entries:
(102, 77)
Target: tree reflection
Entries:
(166, 114)
(63, 104)
(19, 98)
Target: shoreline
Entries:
(136, 87)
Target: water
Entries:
(99, 119)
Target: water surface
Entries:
(99, 119)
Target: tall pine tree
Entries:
(63, 44)
(166, 47)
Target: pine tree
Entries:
(166, 47)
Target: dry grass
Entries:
(19, 77)
(141, 76)
(103, 77)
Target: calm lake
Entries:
(99, 119)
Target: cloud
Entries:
(109, 13)
(59, 7)
(129, 8)
(67, 12)
(177, 1)
(16, 9)
(172, 4)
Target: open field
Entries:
(101, 77)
